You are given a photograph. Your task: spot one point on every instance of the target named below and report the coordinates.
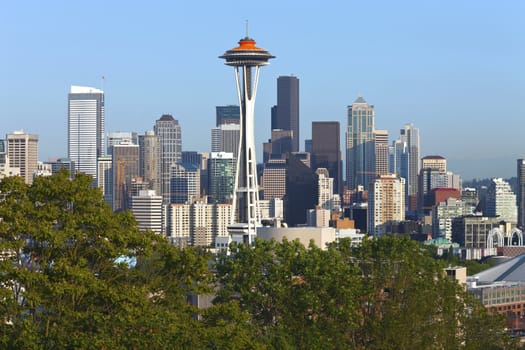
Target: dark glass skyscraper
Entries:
(227, 115)
(326, 150)
(301, 191)
(285, 115)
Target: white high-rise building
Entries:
(86, 128)
(105, 178)
(147, 209)
(326, 189)
(501, 201)
(386, 203)
(442, 215)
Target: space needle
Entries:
(246, 59)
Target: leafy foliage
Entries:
(66, 279)
(73, 274)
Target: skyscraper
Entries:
(125, 169)
(521, 192)
(381, 146)
(433, 174)
(86, 128)
(326, 151)
(22, 151)
(274, 179)
(105, 178)
(360, 145)
(302, 191)
(279, 145)
(225, 138)
(221, 177)
(326, 191)
(285, 115)
(149, 160)
(227, 115)
(169, 131)
(501, 201)
(117, 137)
(246, 59)
(185, 183)
(406, 163)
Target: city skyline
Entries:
(450, 69)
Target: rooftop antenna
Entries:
(247, 28)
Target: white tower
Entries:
(86, 128)
(246, 59)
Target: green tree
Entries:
(77, 275)
(389, 293)
(297, 297)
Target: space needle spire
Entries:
(246, 59)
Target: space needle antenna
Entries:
(247, 28)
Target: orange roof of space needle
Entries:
(247, 44)
(247, 54)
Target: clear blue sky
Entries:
(455, 69)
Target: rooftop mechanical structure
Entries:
(246, 60)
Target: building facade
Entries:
(405, 160)
(22, 152)
(386, 203)
(521, 192)
(285, 115)
(147, 209)
(227, 115)
(326, 192)
(86, 128)
(442, 215)
(124, 169)
(274, 179)
(472, 231)
(105, 178)
(118, 137)
(326, 151)
(501, 201)
(225, 138)
(360, 145)
(301, 191)
(149, 160)
(221, 177)
(381, 152)
(198, 224)
(185, 183)
(169, 132)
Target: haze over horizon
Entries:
(453, 69)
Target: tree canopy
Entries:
(73, 274)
